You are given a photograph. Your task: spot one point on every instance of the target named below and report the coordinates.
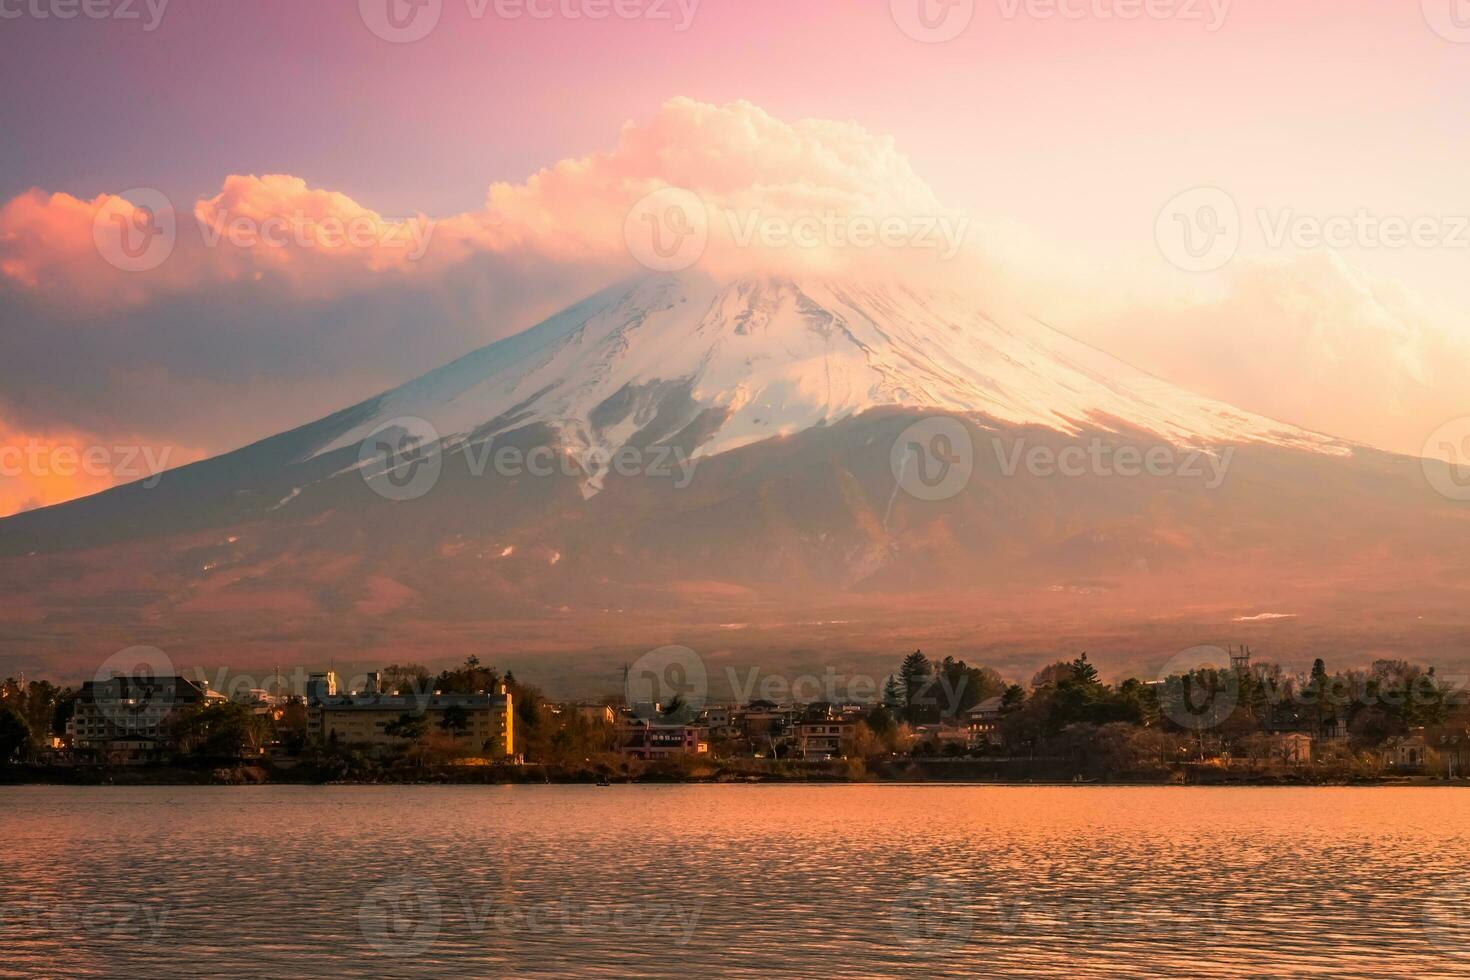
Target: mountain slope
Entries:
(790, 533)
(774, 357)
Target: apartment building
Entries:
(483, 721)
(640, 738)
(129, 717)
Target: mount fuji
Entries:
(781, 530)
(758, 359)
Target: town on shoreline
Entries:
(1218, 721)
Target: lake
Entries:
(688, 880)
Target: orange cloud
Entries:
(112, 253)
(41, 468)
(765, 194)
(47, 247)
(311, 235)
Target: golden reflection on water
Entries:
(735, 880)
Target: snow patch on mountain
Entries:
(753, 359)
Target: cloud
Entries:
(43, 467)
(47, 250)
(806, 195)
(795, 196)
(114, 251)
(278, 301)
(1306, 338)
(278, 223)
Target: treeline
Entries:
(29, 713)
(1068, 711)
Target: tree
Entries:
(407, 726)
(1051, 675)
(407, 678)
(867, 743)
(455, 720)
(893, 693)
(223, 730)
(471, 678)
(37, 704)
(1082, 671)
(1013, 698)
(964, 686)
(880, 723)
(1078, 697)
(915, 677)
(63, 709)
(15, 735)
(533, 719)
(676, 712)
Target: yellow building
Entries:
(484, 722)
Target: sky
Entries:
(1068, 137)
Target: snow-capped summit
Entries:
(754, 359)
(793, 394)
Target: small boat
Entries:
(603, 781)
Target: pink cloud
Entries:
(1313, 342)
(768, 193)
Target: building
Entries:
(1440, 751)
(721, 720)
(130, 751)
(825, 731)
(639, 738)
(1408, 753)
(824, 738)
(766, 727)
(1334, 730)
(950, 739)
(984, 724)
(257, 698)
(597, 714)
(1296, 749)
(321, 686)
(1452, 745)
(484, 722)
(128, 718)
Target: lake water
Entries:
(734, 880)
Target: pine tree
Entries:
(1013, 698)
(1082, 671)
(915, 676)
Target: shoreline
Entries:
(904, 774)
